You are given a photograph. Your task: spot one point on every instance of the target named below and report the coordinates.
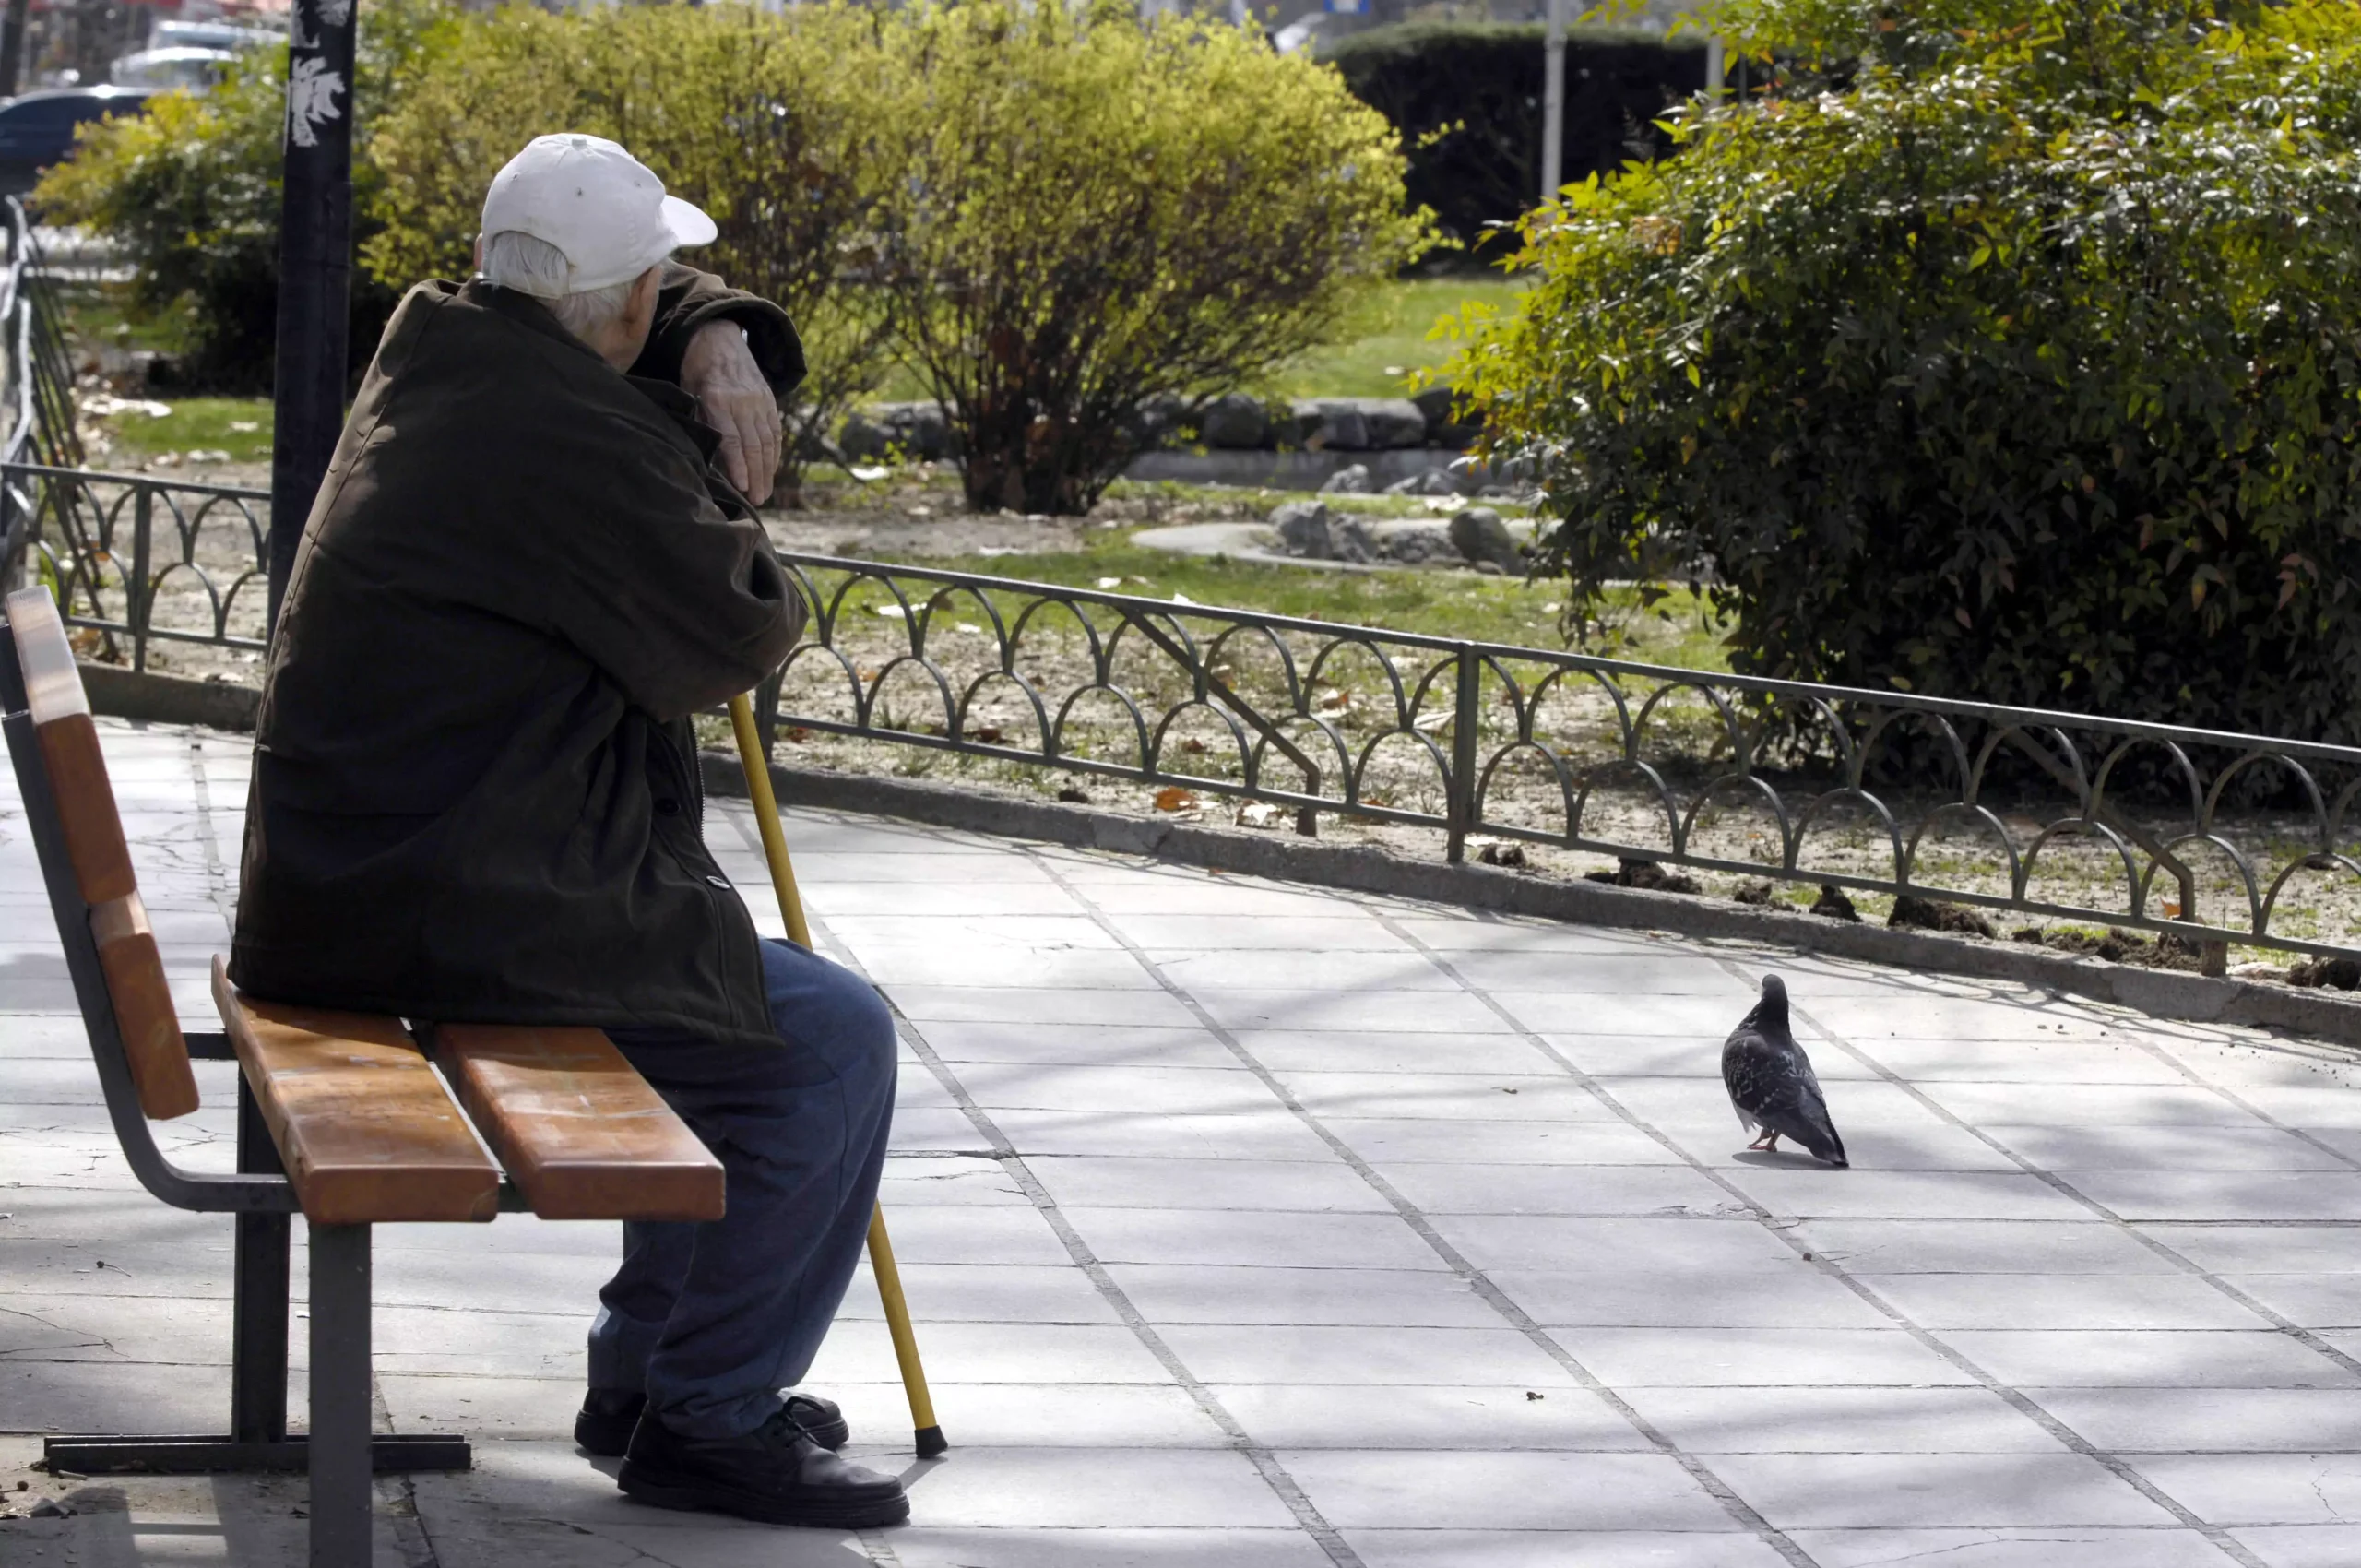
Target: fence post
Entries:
(16, 542)
(766, 713)
(134, 586)
(1466, 715)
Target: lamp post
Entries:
(314, 271)
(1553, 105)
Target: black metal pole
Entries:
(314, 270)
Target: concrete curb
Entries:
(2163, 994)
(169, 699)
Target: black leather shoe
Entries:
(775, 1473)
(608, 1415)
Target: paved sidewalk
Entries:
(1254, 1226)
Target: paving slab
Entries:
(1251, 1226)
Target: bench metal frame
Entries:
(340, 1453)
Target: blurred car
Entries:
(221, 35)
(164, 69)
(37, 129)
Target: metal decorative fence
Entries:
(2205, 835)
(2210, 838)
(36, 387)
(137, 562)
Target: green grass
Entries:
(195, 424)
(1439, 603)
(1389, 338)
(100, 313)
(1382, 343)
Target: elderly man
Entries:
(475, 796)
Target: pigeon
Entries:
(1771, 1082)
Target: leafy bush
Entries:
(1466, 98)
(190, 191)
(1053, 213)
(2010, 350)
(769, 122)
(1099, 211)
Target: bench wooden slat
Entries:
(86, 809)
(581, 1133)
(52, 686)
(76, 767)
(367, 1132)
(69, 747)
(144, 1014)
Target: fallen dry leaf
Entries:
(1175, 799)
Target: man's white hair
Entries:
(530, 265)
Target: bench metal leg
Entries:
(257, 1442)
(259, 1331)
(340, 1402)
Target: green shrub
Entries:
(1099, 211)
(190, 191)
(1053, 214)
(1466, 98)
(2010, 350)
(769, 122)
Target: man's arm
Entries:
(738, 356)
(682, 604)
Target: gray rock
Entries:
(864, 437)
(1153, 422)
(1351, 480)
(1481, 537)
(1416, 546)
(1309, 530)
(1434, 402)
(1432, 482)
(917, 431)
(1443, 428)
(1332, 424)
(1349, 540)
(927, 432)
(1393, 423)
(1303, 529)
(1236, 422)
(1360, 424)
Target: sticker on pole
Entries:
(311, 88)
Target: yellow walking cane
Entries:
(931, 1440)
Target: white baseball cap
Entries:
(604, 210)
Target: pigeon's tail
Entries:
(1813, 1129)
(1825, 1145)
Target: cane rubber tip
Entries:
(931, 1442)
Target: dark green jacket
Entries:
(475, 791)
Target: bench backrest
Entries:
(101, 860)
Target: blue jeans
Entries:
(711, 1320)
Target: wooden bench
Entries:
(343, 1117)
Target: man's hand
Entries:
(719, 371)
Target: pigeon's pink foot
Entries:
(1767, 1144)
